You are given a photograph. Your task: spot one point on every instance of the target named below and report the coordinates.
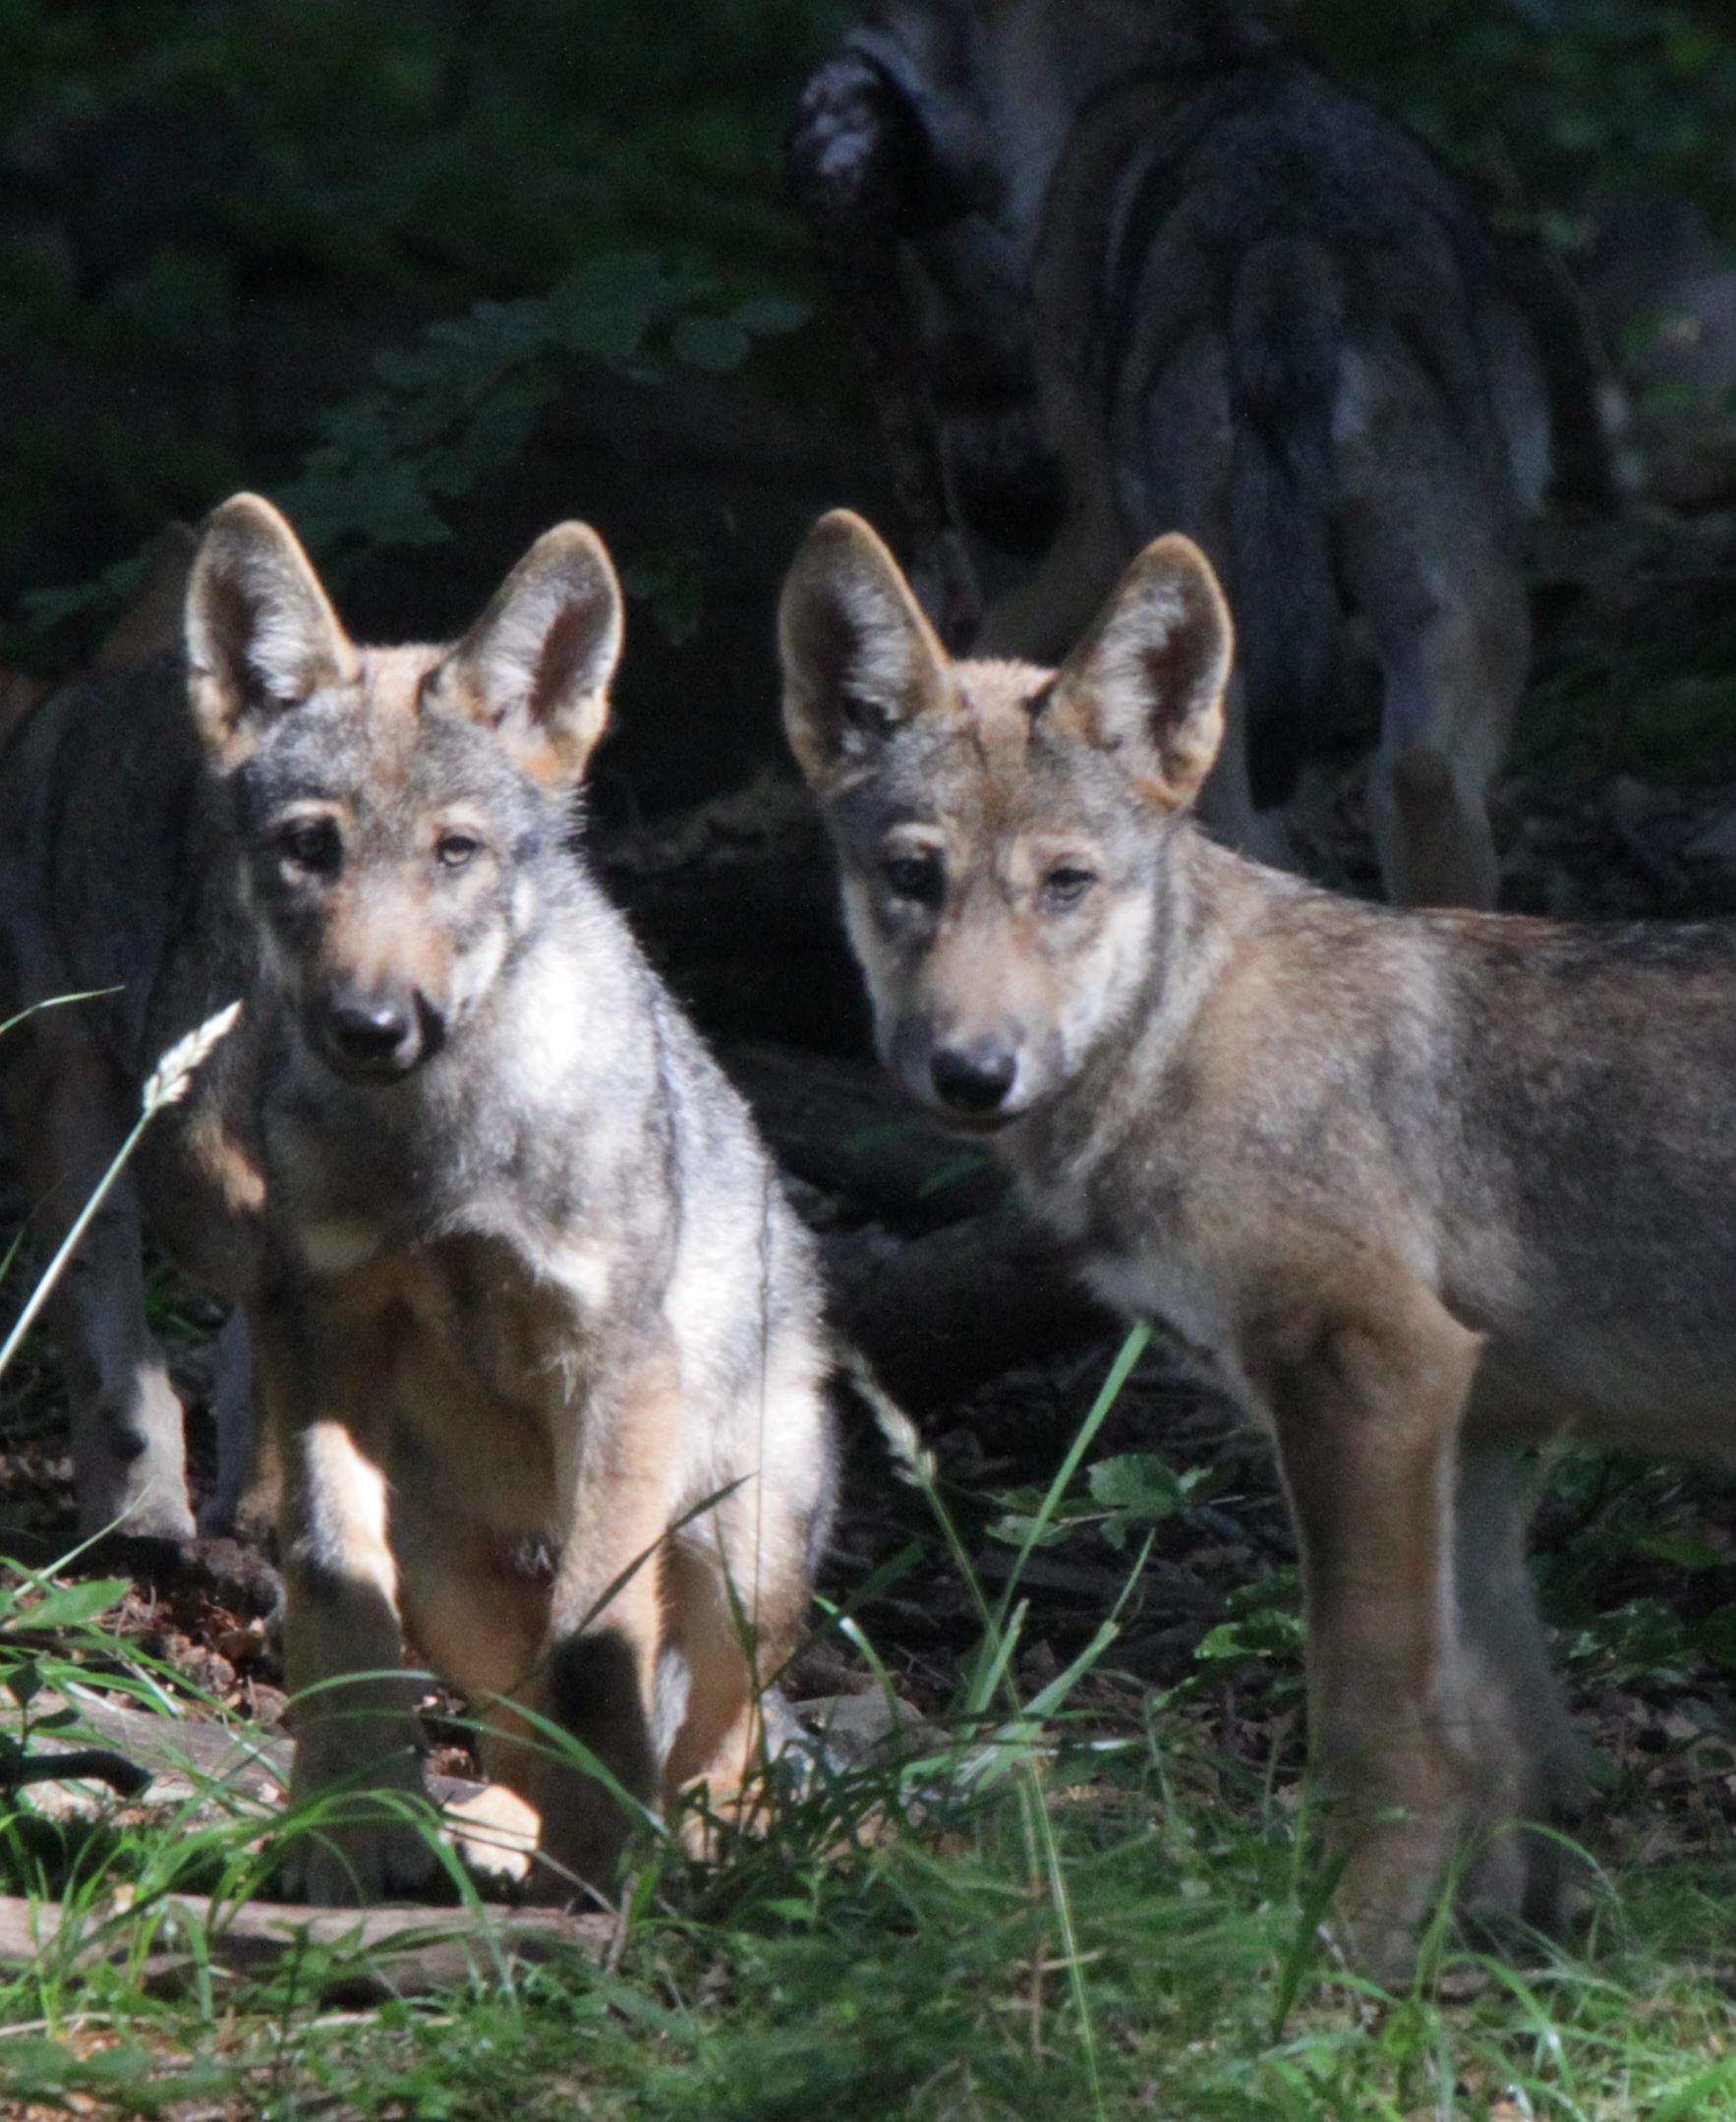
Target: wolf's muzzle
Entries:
(973, 1080)
(373, 1036)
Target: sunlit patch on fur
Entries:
(1099, 985)
(475, 973)
(336, 1245)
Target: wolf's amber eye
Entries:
(922, 878)
(1065, 886)
(312, 845)
(452, 850)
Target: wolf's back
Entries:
(1228, 257)
(105, 839)
(1284, 338)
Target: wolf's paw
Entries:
(582, 1839)
(495, 1834)
(1526, 1880)
(1393, 1871)
(131, 1463)
(365, 1830)
(350, 1863)
(153, 1518)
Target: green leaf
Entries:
(1690, 2099)
(69, 1606)
(606, 308)
(1139, 1485)
(1714, 1635)
(1690, 50)
(967, 1165)
(1224, 1641)
(1256, 1635)
(769, 316)
(712, 343)
(1685, 1550)
(1018, 1530)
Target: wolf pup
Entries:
(1419, 1189)
(1120, 267)
(535, 1329)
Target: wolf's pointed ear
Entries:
(537, 665)
(859, 657)
(261, 636)
(1147, 682)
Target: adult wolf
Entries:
(1165, 274)
(1418, 1187)
(535, 1329)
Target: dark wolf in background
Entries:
(68, 1108)
(1418, 1187)
(1163, 273)
(536, 1332)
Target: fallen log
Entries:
(352, 1955)
(939, 1315)
(979, 1289)
(184, 1758)
(841, 1126)
(343, 1956)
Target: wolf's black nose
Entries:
(371, 1033)
(973, 1080)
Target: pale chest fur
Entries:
(1175, 1296)
(482, 1375)
(1138, 1246)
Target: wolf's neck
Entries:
(547, 1072)
(1209, 902)
(564, 1029)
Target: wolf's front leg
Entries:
(1367, 1407)
(356, 1727)
(1538, 1775)
(129, 1453)
(596, 1677)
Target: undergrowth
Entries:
(1021, 1911)
(892, 1951)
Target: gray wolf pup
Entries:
(1420, 1188)
(535, 1329)
(1160, 273)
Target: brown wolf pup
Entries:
(534, 1328)
(1123, 266)
(1420, 1188)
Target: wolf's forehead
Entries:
(382, 762)
(392, 678)
(358, 736)
(1001, 700)
(993, 741)
(996, 774)
(325, 747)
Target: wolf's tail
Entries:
(1286, 330)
